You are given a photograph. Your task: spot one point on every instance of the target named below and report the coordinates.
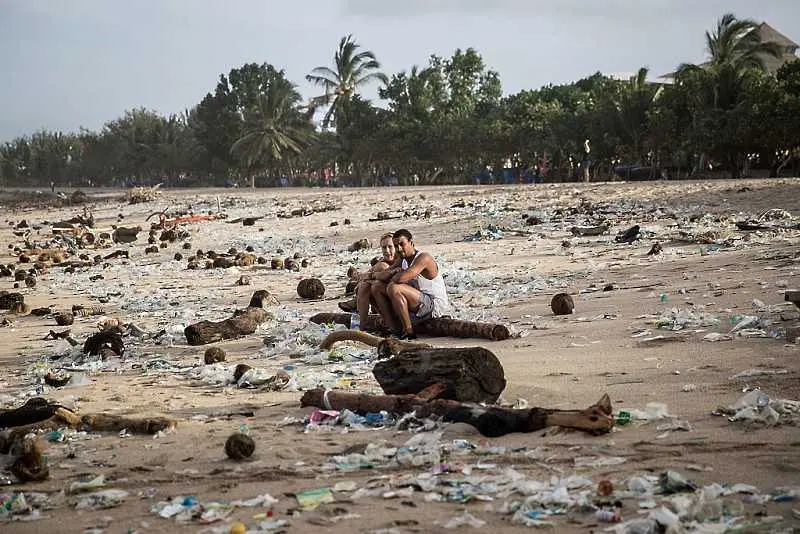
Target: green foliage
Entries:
(273, 128)
(351, 71)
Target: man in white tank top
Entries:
(416, 292)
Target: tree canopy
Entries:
(446, 121)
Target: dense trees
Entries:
(444, 122)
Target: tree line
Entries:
(444, 122)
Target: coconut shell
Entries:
(310, 288)
(290, 264)
(214, 355)
(31, 465)
(562, 304)
(239, 446)
(64, 318)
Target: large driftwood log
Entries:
(439, 327)
(470, 374)
(491, 421)
(242, 323)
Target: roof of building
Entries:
(769, 34)
(771, 63)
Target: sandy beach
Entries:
(646, 340)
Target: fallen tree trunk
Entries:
(491, 421)
(38, 413)
(439, 327)
(242, 323)
(470, 374)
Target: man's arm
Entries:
(424, 261)
(385, 275)
(379, 267)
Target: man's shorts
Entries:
(425, 310)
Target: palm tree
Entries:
(352, 70)
(274, 130)
(633, 102)
(734, 48)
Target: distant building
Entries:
(768, 35)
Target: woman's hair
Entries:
(390, 235)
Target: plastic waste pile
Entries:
(756, 407)
(188, 509)
(490, 233)
(677, 319)
(639, 503)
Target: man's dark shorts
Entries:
(425, 310)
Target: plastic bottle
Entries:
(607, 516)
(623, 418)
(355, 321)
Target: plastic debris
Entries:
(313, 498)
(465, 519)
(188, 509)
(101, 499)
(756, 407)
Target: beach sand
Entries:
(564, 362)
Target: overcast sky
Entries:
(72, 63)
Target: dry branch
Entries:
(242, 323)
(491, 421)
(38, 413)
(386, 346)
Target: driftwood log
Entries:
(242, 323)
(439, 327)
(387, 346)
(470, 374)
(491, 421)
(38, 414)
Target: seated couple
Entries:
(405, 286)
